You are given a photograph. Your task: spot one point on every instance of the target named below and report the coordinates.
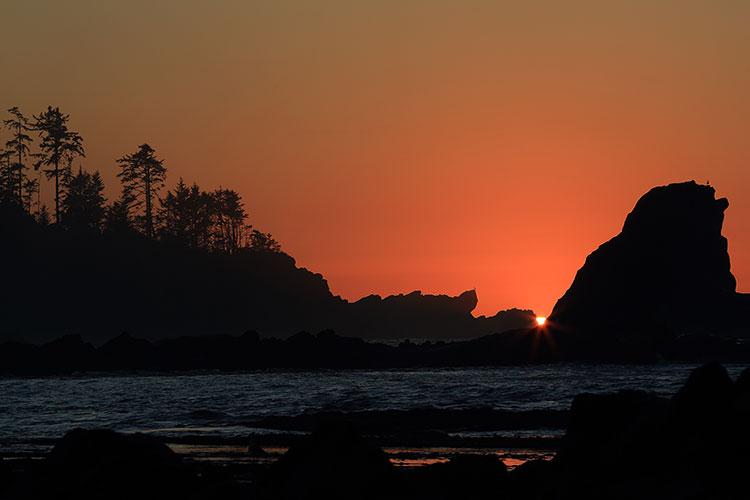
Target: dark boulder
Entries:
(334, 462)
(473, 476)
(463, 476)
(4, 476)
(636, 445)
(742, 384)
(105, 464)
(602, 427)
(708, 391)
(535, 479)
(742, 388)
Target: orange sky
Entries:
(398, 145)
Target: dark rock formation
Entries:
(328, 350)
(405, 316)
(464, 476)
(535, 479)
(4, 476)
(708, 389)
(601, 428)
(633, 445)
(333, 462)
(666, 273)
(99, 464)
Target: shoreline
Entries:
(630, 441)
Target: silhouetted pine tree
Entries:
(117, 218)
(263, 242)
(19, 147)
(83, 203)
(30, 188)
(197, 219)
(43, 218)
(142, 176)
(59, 146)
(7, 177)
(185, 219)
(230, 215)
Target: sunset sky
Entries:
(399, 145)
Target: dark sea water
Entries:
(37, 409)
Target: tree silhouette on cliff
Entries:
(142, 175)
(263, 242)
(7, 177)
(185, 216)
(18, 150)
(194, 218)
(58, 147)
(83, 204)
(213, 221)
(230, 218)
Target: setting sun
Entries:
(541, 320)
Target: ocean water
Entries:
(35, 409)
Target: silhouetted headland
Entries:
(163, 264)
(101, 283)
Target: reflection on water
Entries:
(227, 453)
(418, 457)
(399, 456)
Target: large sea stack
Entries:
(667, 271)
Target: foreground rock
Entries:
(105, 464)
(626, 445)
(334, 462)
(464, 476)
(632, 445)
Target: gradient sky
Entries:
(398, 145)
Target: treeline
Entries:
(188, 216)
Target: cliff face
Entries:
(667, 270)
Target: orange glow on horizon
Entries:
(541, 320)
(439, 146)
